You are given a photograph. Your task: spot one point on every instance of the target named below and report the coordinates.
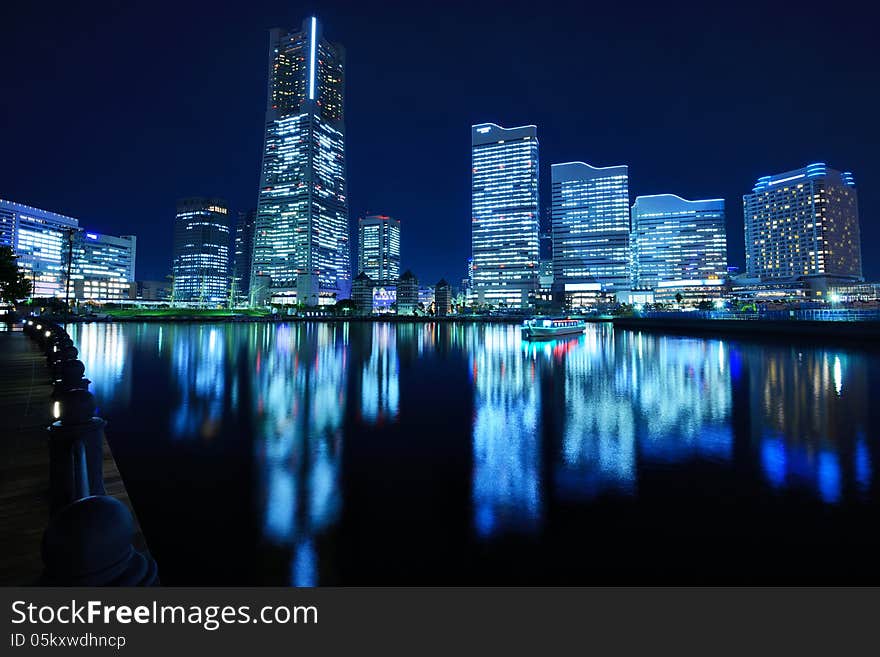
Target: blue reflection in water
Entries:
(103, 351)
(811, 418)
(380, 387)
(299, 381)
(506, 486)
(199, 358)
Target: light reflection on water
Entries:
(575, 421)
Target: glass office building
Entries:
(674, 239)
(379, 247)
(201, 252)
(590, 227)
(301, 236)
(103, 266)
(41, 240)
(803, 223)
(504, 214)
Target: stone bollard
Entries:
(76, 426)
(56, 360)
(88, 543)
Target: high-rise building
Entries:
(504, 214)
(379, 247)
(674, 239)
(590, 225)
(301, 239)
(201, 252)
(42, 241)
(103, 266)
(242, 255)
(803, 223)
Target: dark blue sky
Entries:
(112, 111)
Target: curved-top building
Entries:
(590, 227)
(674, 239)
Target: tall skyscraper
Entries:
(41, 240)
(301, 239)
(103, 266)
(803, 223)
(674, 239)
(379, 247)
(590, 226)
(242, 255)
(201, 252)
(504, 209)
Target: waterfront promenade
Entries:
(24, 460)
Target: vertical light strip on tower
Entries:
(312, 59)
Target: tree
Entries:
(14, 283)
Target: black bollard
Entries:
(76, 426)
(88, 543)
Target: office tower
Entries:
(590, 226)
(504, 209)
(242, 255)
(674, 239)
(301, 240)
(201, 252)
(407, 293)
(379, 247)
(803, 223)
(42, 241)
(103, 266)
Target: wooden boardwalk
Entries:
(24, 460)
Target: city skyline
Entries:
(659, 146)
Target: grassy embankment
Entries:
(180, 313)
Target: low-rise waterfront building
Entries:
(42, 240)
(442, 298)
(103, 267)
(407, 293)
(362, 294)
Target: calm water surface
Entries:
(441, 453)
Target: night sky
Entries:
(111, 112)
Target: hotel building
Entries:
(379, 247)
(803, 224)
(301, 237)
(504, 214)
(679, 245)
(590, 228)
(201, 252)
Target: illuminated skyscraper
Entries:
(803, 223)
(674, 239)
(40, 240)
(379, 247)
(590, 224)
(301, 239)
(201, 252)
(242, 255)
(504, 209)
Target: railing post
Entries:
(77, 424)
